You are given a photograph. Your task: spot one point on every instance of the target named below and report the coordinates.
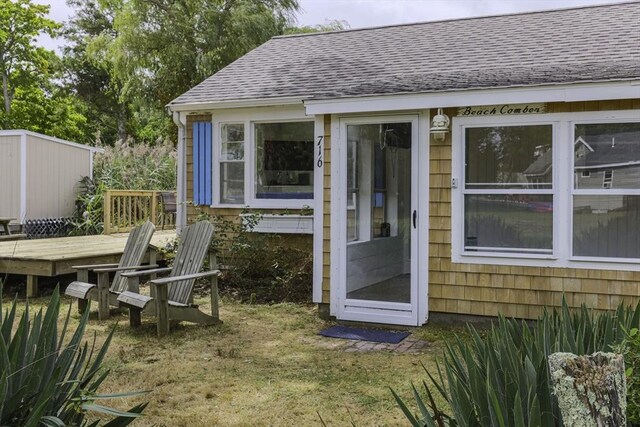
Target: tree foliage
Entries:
(21, 22)
(123, 61)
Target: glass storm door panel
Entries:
(378, 213)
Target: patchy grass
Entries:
(264, 366)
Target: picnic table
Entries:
(7, 235)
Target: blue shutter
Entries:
(202, 163)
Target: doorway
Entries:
(378, 217)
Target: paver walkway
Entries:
(407, 345)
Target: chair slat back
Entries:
(193, 249)
(133, 255)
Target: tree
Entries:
(330, 25)
(86, 73)
(165, 47)
(21, 22)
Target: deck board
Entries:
(51, 257)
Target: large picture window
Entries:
(508, 189)
(550, 190)
(606, 186)
(284, 160)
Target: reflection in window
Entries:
(509, 157)
(606, 206)
(511, 223)
(506, 169)
(232, 163)
(284, 160)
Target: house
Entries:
(438, 159)
(39, 175)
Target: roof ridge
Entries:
(468, 18)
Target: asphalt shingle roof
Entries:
(588, 44)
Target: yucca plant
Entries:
(502, 378)
(48, 380)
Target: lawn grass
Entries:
(265, 366)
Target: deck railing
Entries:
(124, 209)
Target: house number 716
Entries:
(319, 145)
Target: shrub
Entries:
(260, 267)
(137, 166)
(502, 378)
(125, 166)
(630, 348)
(43, 380)
(88, 216)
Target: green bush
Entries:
(630, 348)
(88, 218)
(130, 165)
(259, 267)
(47, 379)
(502, 378)
(125, 166)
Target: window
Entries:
(263, 164)
(284, 160)
(607, 179)
(551, 190)
(606, 204)
(508, 189)
(232, 163)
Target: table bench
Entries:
(7, 235)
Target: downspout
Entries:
(180, 119)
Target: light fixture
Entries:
(440, 126)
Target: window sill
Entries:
(283, 224)
(546, 261)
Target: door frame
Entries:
(376, 311)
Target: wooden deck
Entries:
(53, 257)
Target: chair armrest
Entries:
(167, 280)
(143, 273)
(131, 267)
(93, 266)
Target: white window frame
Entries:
(563, 173)
(251, 117)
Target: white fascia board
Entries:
(20, 132)
(223, 105)
(556, 93)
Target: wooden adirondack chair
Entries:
(131, 260)
(171, 298)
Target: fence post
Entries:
(154, 207)
(107, 212)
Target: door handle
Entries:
(415, 217)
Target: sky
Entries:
(371, 13)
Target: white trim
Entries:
(318, 211)
(422, 253)
(472, 97)
(563, 192)
(235, 103)
(180, 120)
(21, 132)
(23, 176)
(338, 235)
(376, 311)
(250, 117)
(283, 224)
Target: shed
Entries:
(39, 174)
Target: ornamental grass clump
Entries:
(48, 380)
(501, 377)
